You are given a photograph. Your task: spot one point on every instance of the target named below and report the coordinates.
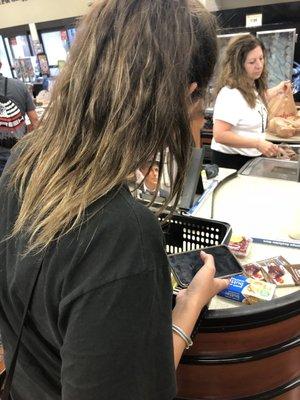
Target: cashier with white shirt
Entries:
(240, 111)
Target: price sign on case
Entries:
(253, 20)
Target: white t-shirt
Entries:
(231, 107)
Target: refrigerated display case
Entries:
(5, 70)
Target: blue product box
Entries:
(247, 290)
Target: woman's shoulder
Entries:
(127, 206)
(229, 91)
(119, 214)
(227, 97)
(116, 233)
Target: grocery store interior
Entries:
(240, 197)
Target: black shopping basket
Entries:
(184, 233)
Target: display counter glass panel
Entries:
(272, 168)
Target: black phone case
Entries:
(184, 266)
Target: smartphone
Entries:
(184, 266)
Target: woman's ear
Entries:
(193, 86)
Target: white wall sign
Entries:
(253, 20)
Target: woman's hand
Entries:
(286, 153)
(283, 86)
(268, 149)
(190, 301)
(204, 284)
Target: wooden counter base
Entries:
(252, 364)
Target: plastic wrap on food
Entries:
(240, 245)
(254, 271)
(294, 270)
(276, 271)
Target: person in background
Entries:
(150, 172)
(101, 324)
(19, 94)
(240, 111)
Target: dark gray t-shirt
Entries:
(100, 321)
(18, 92)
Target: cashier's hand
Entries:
(204, 284)
(286, 153)
(268, 149)
(283, 86)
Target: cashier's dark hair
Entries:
(233, 73)
(121, 99)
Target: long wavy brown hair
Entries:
(232, 72)
(121, 99)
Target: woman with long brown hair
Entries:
(100, 321)
(240, 111)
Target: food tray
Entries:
(294, 139)
(184, 233)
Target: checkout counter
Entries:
(250, 352)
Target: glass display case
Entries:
(280, 49)
(272, 168)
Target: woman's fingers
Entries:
(221, 284)
(218, 283)
(208, 260)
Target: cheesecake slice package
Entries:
(254, 271)
(247, 290)
(240, 245)
(294, 270)
(276, 272)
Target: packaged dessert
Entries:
(276, 271)
(248, 290)
(254, 271)
(294, 270)
(240, 245)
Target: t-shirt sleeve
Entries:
(227, 106)
(29, 101)
(123, 347)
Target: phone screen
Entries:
(185, 265)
